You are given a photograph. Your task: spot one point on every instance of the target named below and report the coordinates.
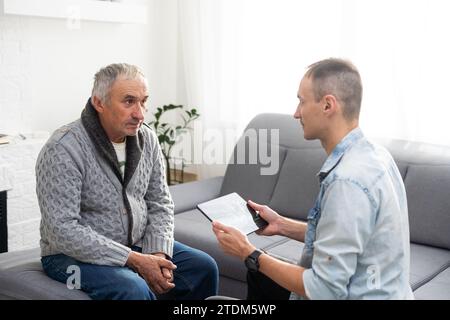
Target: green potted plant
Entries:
(169, 133)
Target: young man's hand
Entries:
(232, 241)
(273, 219)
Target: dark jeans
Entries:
(261, 287)
(195, 278)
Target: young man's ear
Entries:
(97, 104)
(330, 103)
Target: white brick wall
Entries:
(15, 74)
(18, 160)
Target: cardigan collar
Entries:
(134, 144)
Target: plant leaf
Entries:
(171, 107)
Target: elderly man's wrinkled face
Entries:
(123, 114)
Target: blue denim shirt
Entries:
(357, 240)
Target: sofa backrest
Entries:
(293, 187)
(427, 183)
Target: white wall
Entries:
(46, 69)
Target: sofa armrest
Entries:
(186, 196)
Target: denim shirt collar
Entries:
(335, 156)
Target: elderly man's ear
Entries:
(97, 103)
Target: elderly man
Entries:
(357, 235)
(106, 209)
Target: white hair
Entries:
(105, 77)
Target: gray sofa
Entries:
(426, 172)
(291, 191)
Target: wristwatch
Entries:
(252, 262)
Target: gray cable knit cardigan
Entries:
(91, 213)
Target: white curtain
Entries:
(401, 48)
(209, 76)
(239, 58)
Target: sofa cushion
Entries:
(426, 263)
(429, 204)
(27, 280)
(298, 185)
(436, 289)
(15, 258)
(289, 251)
(193, 229)
(187, 195)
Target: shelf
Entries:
(92, 10)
